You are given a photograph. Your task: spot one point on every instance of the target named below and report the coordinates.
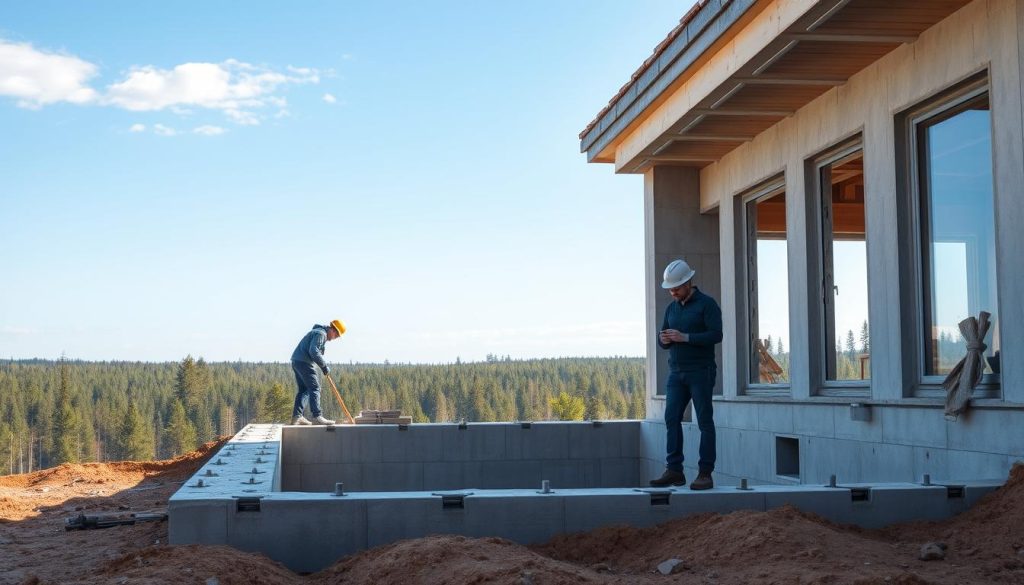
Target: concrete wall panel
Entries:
(477, 442)
(306, 535)
(198, 521)
(539, 441)
(526, 520)
(776, 418)
(913, 426)
(415, 443)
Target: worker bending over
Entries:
(307, 357)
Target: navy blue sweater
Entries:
(701, 319)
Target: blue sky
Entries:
(212, 178)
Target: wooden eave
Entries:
(822, 49)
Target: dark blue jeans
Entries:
(680, 388)
(307, 378)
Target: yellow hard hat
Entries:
(339, 326)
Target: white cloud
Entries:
(208, 130)
(330, 98)
(162, 130)
(15, 330)
(37, 78)
(137, 128)
(243, 92)
(240, 90)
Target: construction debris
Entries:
(671, 566)
(932, 551)
(382, 417)
(83, 522)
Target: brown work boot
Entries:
(703, 481)
(670, 477)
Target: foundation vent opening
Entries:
(787, 457)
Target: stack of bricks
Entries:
(382, 417)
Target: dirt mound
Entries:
(458, 559)
(783, 545)
(180, 467)
(192, 564)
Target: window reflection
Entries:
(958, 231)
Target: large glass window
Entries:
(953, 148)
(844, 278)
(768, 277)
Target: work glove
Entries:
(326, 369)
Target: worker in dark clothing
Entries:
(307, 357)
(690, 330)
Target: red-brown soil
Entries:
(985, 544)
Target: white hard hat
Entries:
(677, 273)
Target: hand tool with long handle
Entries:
(340, 401)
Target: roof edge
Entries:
(696, 32)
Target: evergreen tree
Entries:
(865, 339)
(226, 420)
(275, 405)
(850, 348)
(594, 409)
(179, 435)
(440, 409)
(637, 404)
(134, 441)
(66, 422)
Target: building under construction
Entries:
(846, 178)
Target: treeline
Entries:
(53, 412)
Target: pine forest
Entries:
(75, 411)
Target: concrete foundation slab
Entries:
(237, 498)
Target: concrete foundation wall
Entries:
(234, 499)
(380, 458)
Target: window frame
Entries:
(746, 286)
(818, 316)
(909, 127)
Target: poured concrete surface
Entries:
(307, 531)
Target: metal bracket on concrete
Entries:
(860, 494)
(247, 504)
(954, 491)
(452, 500)
(743, 485)
(659, 496)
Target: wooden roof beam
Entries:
(844, 37)
(819, 81)
(701, 160)
(751, 113)
(674, 139)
